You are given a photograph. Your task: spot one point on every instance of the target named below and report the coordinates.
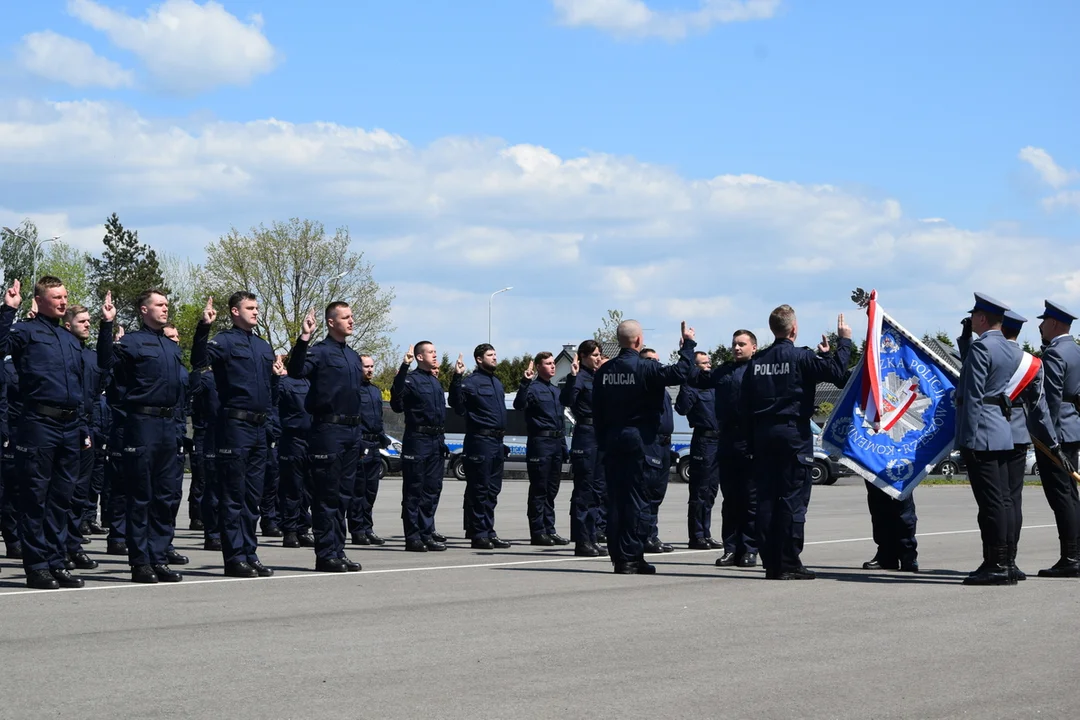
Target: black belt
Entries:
(1003, 402)
(152, 410)
(488, 432)
(246, 415)
(549, 433)
(428, 430)
(708, 434)
(50, 411)
(371, 437)
(663, 439)
(350, 420)
(584, 421)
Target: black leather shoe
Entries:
(330, 565)
(600, 549)
(584, 549)
(725, 560)
(96, 529)
(272, 531)
(415, 546)
(196, 525)
(84, 528)
(143, 574)
(1014, 572)
(290, 540)
(499, 543)
(116, 547)
(626, 568)
(800, 573)
(41, 580)
(912, 566)
(438, 537)
(601, 538)
(65, 579)
(374, 539)
(83, 561)
(350, 565)
(542, 539)
(644, 568)
(654, 546)
(69, 564)
(434, 545)
(360, 539)
(714, 544)
(747, 561)
(14, 551)
(166, 574)
(306, 539)
(1063, 568)
(990, 574)
(878, 564)
(665, 547)
(240, 569)
(558, 539)
(212, 544)
(176, 558)
(699, 544)
(260, 569)
(482, 544)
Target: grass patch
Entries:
(962, 480)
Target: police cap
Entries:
(1013, 320)
(1057, 312)
(988, 304)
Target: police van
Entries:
(516, 438)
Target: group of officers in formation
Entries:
(290, 444)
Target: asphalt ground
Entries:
(536, 633)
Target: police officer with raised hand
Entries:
(293, 461)
(546, 447)
(114, 492)
(985, 437)
(52, 430)
(629, 395)
(242, 363)
(333, 401)
(585, 460)
(667, 428)
(205, 409)
(1061, 384)
(777, 399)
(369, 470)
(481, 400)
(149, 377)
(699, 408)
(419, 395)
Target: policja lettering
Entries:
(619, 379)
(772, 369)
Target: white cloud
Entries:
(1051, 173)
(450, 222)
(1063, 199)
(633, 18)
(63, 59)
(186, 47)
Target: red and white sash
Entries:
(1025, 373)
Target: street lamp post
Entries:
(35, 246)
(489, 308)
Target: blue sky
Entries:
(708, 159)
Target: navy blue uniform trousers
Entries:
(893, 523)
(587, 497)
(483, 460)
(704, 485)
(241, 462)
(738, 510)
(9, 494)
(333, 454)
(421, 485)
(658, 488)
(210, 502)
(544, 459)
(369, 471)
(637, 479)
(47, 462)
(154, 485)
(295, 483)
(783, 459)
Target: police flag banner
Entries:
(896, 418)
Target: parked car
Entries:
(827, 468)
(951, 465)
(391, 457)
(1030, 466)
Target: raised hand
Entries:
(687, 331)
(108, 310)
(530, 372)
(823, 346)
(308, 325)
(279, 365)
(409, 357)
(119, 331)
(842, 328)
(459, 366)
(574, 367)
(13, 298)
(209, 314)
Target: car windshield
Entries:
(814, 428)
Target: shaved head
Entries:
(629, 333)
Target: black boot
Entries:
(1067, 566)
(994, 570)
(290, 540)
(1015, 572)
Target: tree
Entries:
(606, 332)
(1029, 348)
(720, 355)
(446, 371)
(510, 372)
(127, 268)
(856, 350)
(70, 265)
(16, 256)
(294, 266)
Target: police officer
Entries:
(629, 395)
(293, 462)
(546, 447)
(9, 514)
(699, 408)
(585, 460)
(370, 468)
(205, 411)
(481, 400)
(985, 437)
(77, 322)
(777, 398)
(149, 377)
(270, 505)
(333, 401)
(1061, 368)
(52, 430)
(419, 395)
(738, 511)
(182, 410)
(242, 363)
(666, 429)
(114, 491)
